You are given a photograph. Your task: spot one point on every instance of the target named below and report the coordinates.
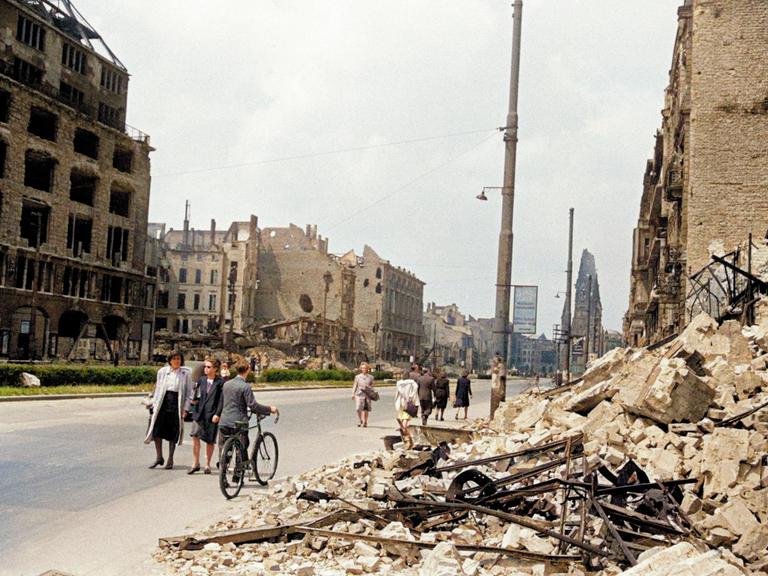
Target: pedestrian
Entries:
(406, 405)
(426, 384)
(253, 362)
(237, 398)
(170, 405)
(463, 393)
(442, 391)
(362, 392)
(224, 371)
(415, 372)
(207, 413)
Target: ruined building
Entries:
(706, 187)
(587, 322)
(448, 337)
(74, 193)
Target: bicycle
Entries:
(260, 464)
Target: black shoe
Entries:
(194, 469)
(158, 462)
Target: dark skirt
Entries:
(441, 402)
(167, 422)
(205, 430)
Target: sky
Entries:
(378, 122)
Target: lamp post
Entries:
(568, 316)
(327, 279)
(504, 266)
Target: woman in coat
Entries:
(406, 395)
(463, 392)
(171, 401)
(442, 391)
(206, 413)
(361, 392)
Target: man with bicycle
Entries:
(237, 397)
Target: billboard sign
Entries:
(524, 309)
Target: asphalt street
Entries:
(76, 494)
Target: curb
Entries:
(34, 397)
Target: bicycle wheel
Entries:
(265, 458)
(231, 468)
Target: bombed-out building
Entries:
(587, 316)
(74, 193)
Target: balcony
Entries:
(673, 191)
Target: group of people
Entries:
(213, 404)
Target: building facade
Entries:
(706, 188)
(587, 320)
(448, 337)
(74, 194)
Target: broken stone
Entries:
(443, 560)
(29, 380)
(753, 544)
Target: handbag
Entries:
(411, 409)
(372, 393)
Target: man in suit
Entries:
(207, 410)
(426, 390)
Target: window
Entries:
(38, 170)
(198, 276)
(25, 72)
(181, 301)
(86, 143)
(122, 159)
(161, 323)
(117, 244)
(119, 201)
(73, 58)
(31, 33)
(79, 230)
(3, 154)
(71, 94)
(196, 302)
(110, 116)
(211, 302)
(82, 187)
(112, 80)
(34, 223)
(42, 123)
(162, 298)
(214, 276)
(164, 276)
(5, 105)
(182, 275)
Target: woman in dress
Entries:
(406, 405)
(171, 402)
(206, 414)
(463, 393)
(361, 392)
(441, 392)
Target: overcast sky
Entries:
(376, 121)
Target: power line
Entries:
(324, 153)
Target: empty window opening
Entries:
(181, 301)
(3, 154)
(198, 276)
(25, 272)
(110, 116)
(42, 123)
(112, 80)
(378, 273)
(111, 288)
(73, 58)
(76, 283)
(196, 302)
(38, 170)
(117, 244)
(34, 223)
(161, 323)
(79, 231)
(162, 298)
(366, 282)
(28, 73)
(211, 302)
(31, 33)
(122, 159)
(214, 276)
(86, 143)
(120, 201)
(5, 105)
(182, 275)
(71, 94)
(82, 187)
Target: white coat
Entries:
(406, 390)
(185, 398)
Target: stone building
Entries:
(586, 325)
(448, 338)
(74, 193)
(706, 187)
(533, 355)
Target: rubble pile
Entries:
(653, 463)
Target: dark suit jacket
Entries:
(209, 404)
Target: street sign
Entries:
(524, 309)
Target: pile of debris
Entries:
(653, 463)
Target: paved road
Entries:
(76, 494)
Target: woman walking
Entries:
(406, 406)
(442, 391)
(206, 414)
(463, 393)
(171, 402)
(362, 390)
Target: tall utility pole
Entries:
(569, 280)
(504, 266)
(588, 331)
(35, 278)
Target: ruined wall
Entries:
(729, 126)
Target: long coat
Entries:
(185, 398)
(208, 406)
